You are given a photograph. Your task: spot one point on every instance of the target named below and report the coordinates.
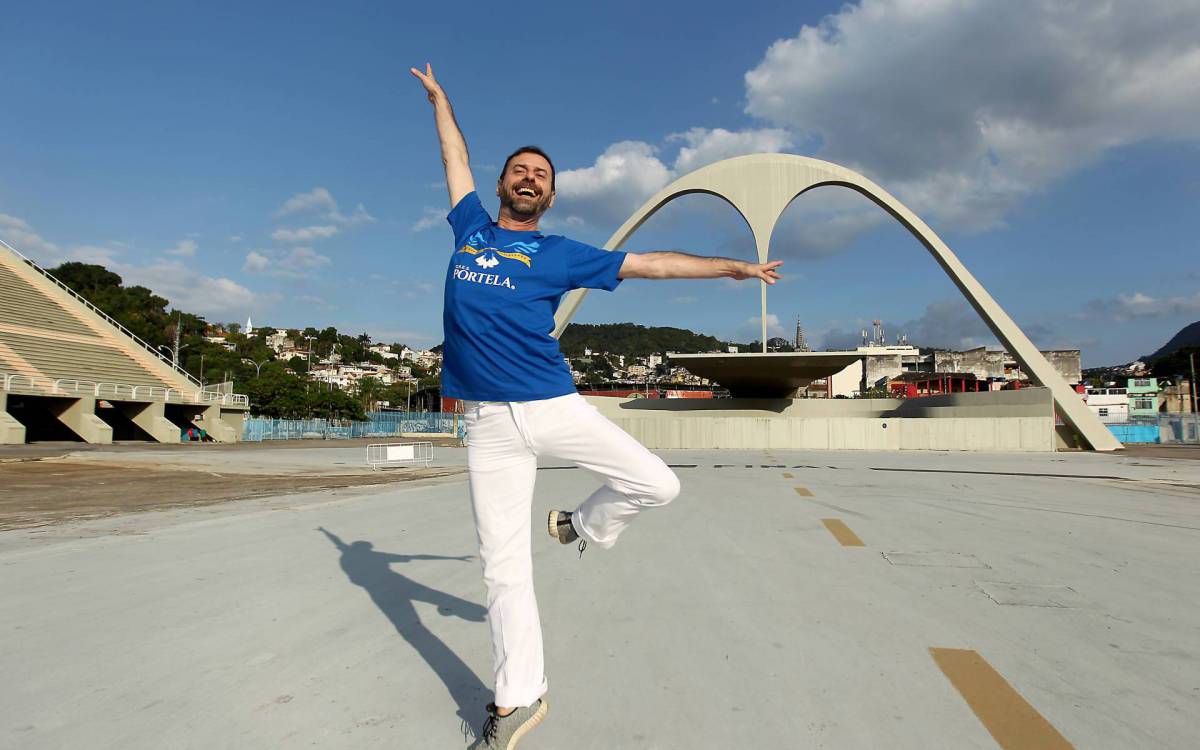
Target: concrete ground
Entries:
(1066, 588)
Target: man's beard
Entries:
(524, 207)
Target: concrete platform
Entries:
(734, 618)
(765, 374)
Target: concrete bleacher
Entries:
(60, 354)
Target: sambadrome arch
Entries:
(761, 186)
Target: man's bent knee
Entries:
(664, 489)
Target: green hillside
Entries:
(631, 339)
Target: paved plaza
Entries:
(842, 600)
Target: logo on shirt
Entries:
(464, 273)
(529, 248)
(476, 245)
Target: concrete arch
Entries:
(761, 186)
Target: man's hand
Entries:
(764, 271)
(455, 159)
(432, 87)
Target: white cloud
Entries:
(188, 290)
(430, 218)
(102, 256)
(751, 328)
(236, 238)
(26, 240)
(620, 180)
(964, 109)
(256, 262)
(629, 172)
(1140, 305)
(18, 233)
(322, 201)
(294, 263)
(317, 198)
(183, 249)
(951, 324)
(183, 287)
(304, 234)
(703, 147)
(315, 301)
(359, 216)
(305, 259)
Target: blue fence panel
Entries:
(1135, 433)
(379, 424)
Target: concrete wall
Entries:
(12, 432)
(222, 425)
(995, 421)
(999, 364)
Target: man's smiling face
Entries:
(526, 187)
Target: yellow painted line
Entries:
(786, 475)
(803, 491)
(842, 532)
(1012, 722)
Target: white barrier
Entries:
(397, 454)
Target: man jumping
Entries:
(503, 286)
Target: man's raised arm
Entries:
(459, 181)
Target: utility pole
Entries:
(1192, 362)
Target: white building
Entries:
(280, 342)
(384, 350)
(347, 377)
(1109, 404)
(220, 339)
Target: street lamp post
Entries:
(257, 365)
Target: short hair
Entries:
(530, 150)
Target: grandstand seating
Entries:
(54, 343)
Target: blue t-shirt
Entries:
(502, 289)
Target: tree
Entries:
(135, 307)
(1176, 364)
(368, 391)
(277, 394)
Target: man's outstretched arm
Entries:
(674, 265)
(455, 159)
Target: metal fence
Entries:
(379, 424)
(1179, 428)
(1166, 429)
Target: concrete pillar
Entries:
(12, 432)
(79, 415)
(151, 417)
(216, 427)
(236, 419)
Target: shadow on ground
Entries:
(394, 594)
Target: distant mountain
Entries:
(631, 339)
(1188, 336)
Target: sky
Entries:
(277, 161)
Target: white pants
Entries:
(504, 440)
